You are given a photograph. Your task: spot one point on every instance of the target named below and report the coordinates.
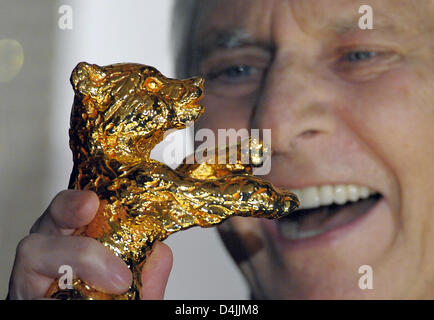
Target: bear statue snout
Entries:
(197, 82)
(196, 87)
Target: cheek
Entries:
(222, 112)
(394, 116)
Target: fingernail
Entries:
(120, 276)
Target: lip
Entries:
(329, 237)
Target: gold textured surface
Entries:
(120, 113)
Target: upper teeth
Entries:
(313, 197)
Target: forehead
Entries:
(261, 19)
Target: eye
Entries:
(364, 64)
(356, 56)
(233, 74)
(153, 84)
(234, 80)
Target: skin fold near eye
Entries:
(365, 65)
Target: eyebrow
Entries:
(238, 38)
(213, 40)
(227, 39)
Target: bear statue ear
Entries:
(87, 76)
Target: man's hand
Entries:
(50, 244)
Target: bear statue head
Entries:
(122, 111)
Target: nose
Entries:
(296, 104)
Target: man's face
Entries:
(346, 107)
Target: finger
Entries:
(39, 258)
(156, 271)
(69, 210)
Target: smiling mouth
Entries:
(326, 208)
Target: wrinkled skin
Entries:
(334, 119)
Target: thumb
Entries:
(155, 272)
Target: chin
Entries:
(330, 264)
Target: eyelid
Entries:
(371, 54)
(233, 56)
(368, 47)
(235, 87)
(367, 69)
(379, 56)
(215, 69)
(213, 73)
(252, 50)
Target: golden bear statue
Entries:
(120, 112)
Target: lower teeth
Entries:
(290, 231)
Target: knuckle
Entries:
(35, 227)
(70, 208)
(88, 250)
(27, 245)
(80, 208)
(61, 196)
(78, 203)
(62, 193)
(57, 202)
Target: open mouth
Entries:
(194, 103)
(326, 208)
